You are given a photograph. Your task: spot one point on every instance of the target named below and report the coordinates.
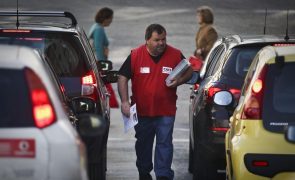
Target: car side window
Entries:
(215, 61)
(249, 75)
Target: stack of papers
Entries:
(177, 71)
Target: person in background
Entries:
(206, 35)
(100, 43)
(148, 66)
(103, 18)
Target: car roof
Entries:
(40, 26)
(239, 40)
(269, 53)
(39, 20)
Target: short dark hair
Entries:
(206, 13)
(154, 28)
(103, 14)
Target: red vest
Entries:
(149, 90)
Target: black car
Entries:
(66, 47)
(224, 70)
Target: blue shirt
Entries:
(100, 40)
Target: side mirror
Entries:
(91, 125)
(290, 133)
(83, 105)
(223, 98)
(104, 65)
(110, 77)
(194, 79)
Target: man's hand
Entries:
(173, 83)
(125, 108)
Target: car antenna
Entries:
(264, 28)
(287, 36)
(17, 21)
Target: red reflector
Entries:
(260, 163)
(16, 31)
(33, 39)
(24, 148)
(87, 79)
(62, 88)
(196, 86)
(219, 129)
(284, 44)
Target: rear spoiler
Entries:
(41, 14)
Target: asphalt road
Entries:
(127, 31)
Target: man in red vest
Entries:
(148, 66)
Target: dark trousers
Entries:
(146, 130)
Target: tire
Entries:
(200, 172)
(206, 160)
(199, 152)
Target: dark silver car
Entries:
(67, 50)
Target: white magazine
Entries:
(132, 120)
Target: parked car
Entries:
(68, 51)
(224, 69)
(37, 139)
(255, 144)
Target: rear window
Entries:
(239, 62)
(15, 102)
(63, 50)
(279, 97)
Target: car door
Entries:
(214, 61)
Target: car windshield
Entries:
(279, 97)
(15, 100)
(63, 50)
(239, 61)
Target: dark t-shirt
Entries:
(125, 69)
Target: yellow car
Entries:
(256, 148)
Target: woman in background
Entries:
(103, 18)
(206, 35)
(100, 43)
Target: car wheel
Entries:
(199, 152)
(200, 166)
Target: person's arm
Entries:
(124, 76)
(123, 93)
(182, 79)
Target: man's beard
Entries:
(159, 49)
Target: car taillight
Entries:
(253, 105)
(236, 93)
(43, 111)
(211, 91)
(88, 85)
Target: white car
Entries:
(37, 140)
